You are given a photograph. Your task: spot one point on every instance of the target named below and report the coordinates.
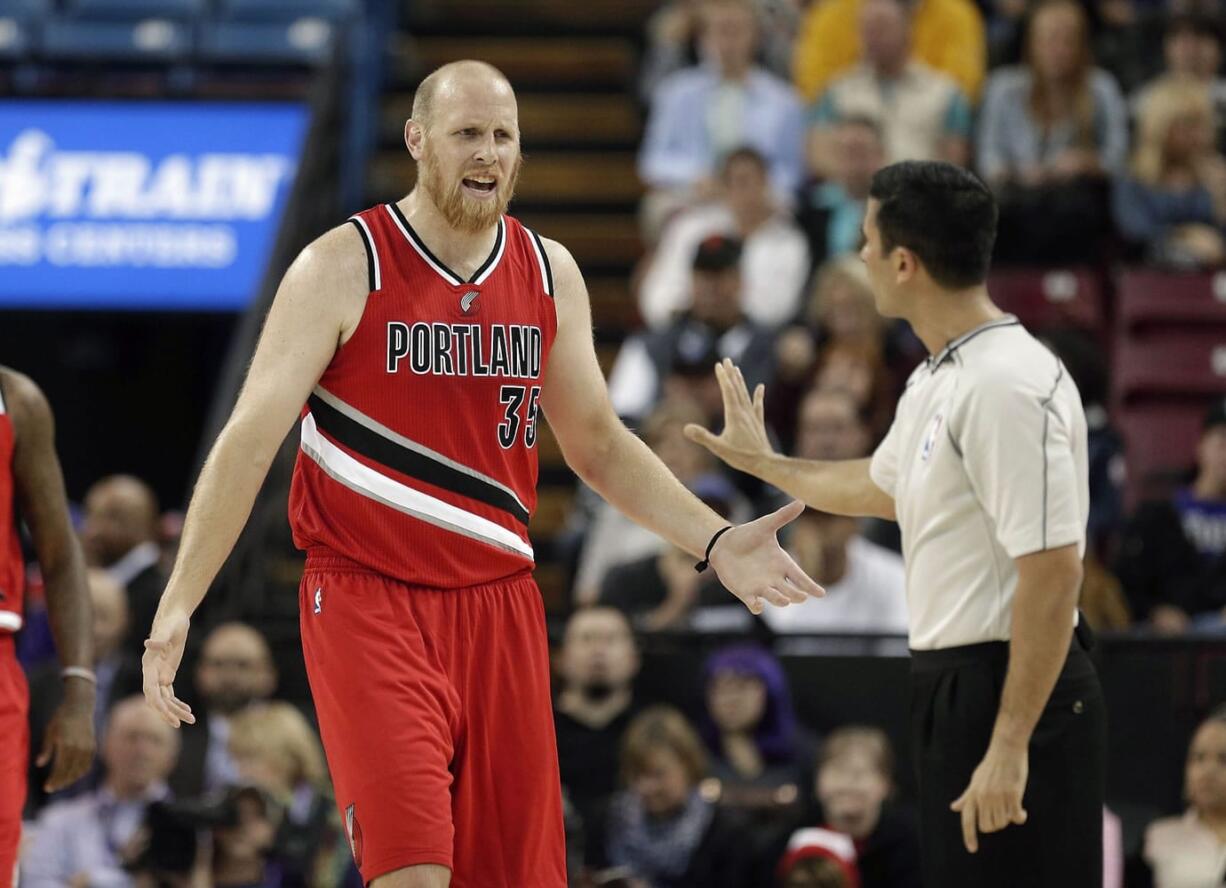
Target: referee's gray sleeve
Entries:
(1016, 444)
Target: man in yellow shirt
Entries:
(947, 35)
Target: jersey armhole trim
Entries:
(373, 272)
(542, 259)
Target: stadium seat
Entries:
(1052, 298)
(153, 40)
(1170, 363)
(308, 42)
(1160, 438)
(1147, 297)
(135, 10)
(288, 10)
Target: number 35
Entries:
(513, 396)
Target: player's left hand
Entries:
(752, 566)
(993, 800)
(69, 740)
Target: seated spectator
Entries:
(235, 670)
(87, 840)
(1052, 129)
(947, 35)
(715, 326)
(662, 829)
(759, 754)
(1128, 38)
(118, 674)
(672, 35)
(1190, 851)
(922, 113)
(1172, 558)
(775, 263)
(613, 539)
(819, 858)
(1192, 50)
(831, 211)
(865, 583)
(276, 750)
(596, 666)
(701, 114)
(120, 534)
(663, 592)
(1172, 203)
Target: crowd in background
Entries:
(1098, 127)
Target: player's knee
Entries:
(427, 875)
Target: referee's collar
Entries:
(938, 359)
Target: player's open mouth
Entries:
(480, 185)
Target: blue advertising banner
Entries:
(150, 205)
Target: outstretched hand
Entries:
(160, 662)
(753, 566)
(744, 438)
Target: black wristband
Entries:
(706, 559)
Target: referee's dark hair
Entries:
(942, 213)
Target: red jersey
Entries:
(12, 566)
(418, 445)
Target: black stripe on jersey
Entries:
(544, 259)
(370, 254)
(374, 446)
(421, 245)
(489, 260)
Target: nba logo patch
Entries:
(930, 439)
(354, 829)
(319, 600)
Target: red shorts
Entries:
(14, 755)
(436, 716)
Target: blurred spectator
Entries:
(1172, 558)
(701, 114)
(118, 674)
(865, 583)
(775, 264)
(819, 858)
(1128, 38)
(276, 750)
(661, 828)
(1190, 851)
(1173, 201)
(831, 211)
(922, 113)
(612, 538)
(759, 754)
(947, 35)
(672, 32)
(120, 533)
(85, 841)
(1051, 130)
(663, 592)
(1192, 49)
(235, 670)
(715, 326)
(597, 664)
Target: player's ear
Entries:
(414, 136)
(906, 264)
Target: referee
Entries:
(984, 469)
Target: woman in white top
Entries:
(1190, 851)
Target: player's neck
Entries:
(461, 251)
(942, 316)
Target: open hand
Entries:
(753, 567)
(160, 662)
(69, 740)
(743, 440)
(993, 800)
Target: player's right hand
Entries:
(743, 440)
(160, 662)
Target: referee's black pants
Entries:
(955, 694)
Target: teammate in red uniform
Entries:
(425, 338)
(30, 479)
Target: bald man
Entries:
(417, 345)
(119, 534)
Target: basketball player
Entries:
(425, 339)
(985, 470)
(30, 480)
